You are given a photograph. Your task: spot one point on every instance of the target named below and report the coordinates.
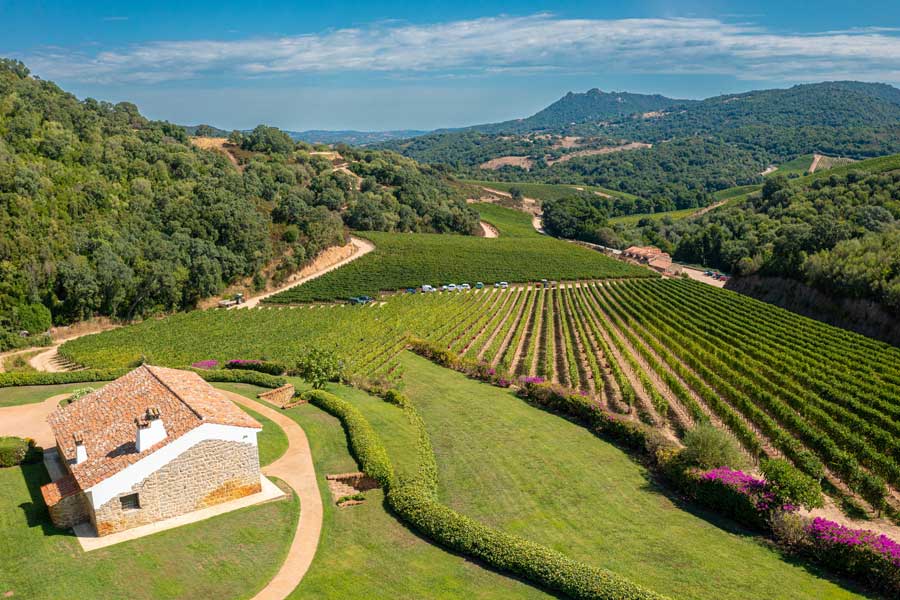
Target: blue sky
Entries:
(391, 65)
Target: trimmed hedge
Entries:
(269, 367)
(241, 376)
(15, 451)
(540, 565)
(365, 445)
(41, 378)
(415, 501)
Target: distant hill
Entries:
(351, 137)
(591, 106)
(319, 136)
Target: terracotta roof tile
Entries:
(105, 419)
(55, 491)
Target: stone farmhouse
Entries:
(153, 444)
(653, 257)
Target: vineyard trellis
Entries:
(670, 352)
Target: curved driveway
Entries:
(297, 470)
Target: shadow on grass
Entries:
(35, 511)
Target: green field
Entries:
(797, 166)
(633, 219)
(364, 552)
(549, 191)
(528, 472)
(413, 259)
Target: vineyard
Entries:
(402, 260)
(672, 353)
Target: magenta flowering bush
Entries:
(858, 552)
(754, 488)
(205, 364)
(531, 379)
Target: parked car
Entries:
(428, 288)
(410, 290)
(479, 285)
(501, 284)
(545, 283)
(233, 301)
(708, 273)
(465, 286)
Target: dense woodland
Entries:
(839, 233)
(103, 211)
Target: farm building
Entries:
(642, 253)
(155, 443)
(653, 257)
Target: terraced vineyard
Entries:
(402, 260)
(670, 352)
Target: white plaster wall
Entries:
(130, 476)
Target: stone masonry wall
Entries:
(211, 472)
(70, 511)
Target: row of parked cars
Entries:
(426, 289)
(716, 275)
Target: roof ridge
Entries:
(174, 393)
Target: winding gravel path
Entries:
(297, 470)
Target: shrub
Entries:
(318, 367)
(78, 394)
(860, 553)
(790, 485)
(270, 367)
(15, 451)
(739, 495)
(708, 447)
(365, 445)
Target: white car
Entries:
(450, 287)
(502, 285)
(465, 286)
(428, 288)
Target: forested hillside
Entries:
(838, 232)
(697, 147)
(103, 211)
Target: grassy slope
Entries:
(531, 473)
(365, 552)
(228, 556)
(413, 259)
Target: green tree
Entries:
(319, 366)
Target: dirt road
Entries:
(295, 468)
(361, 247)
(488, 230)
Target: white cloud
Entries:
(501, 44)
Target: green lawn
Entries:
(29, 394)
(229, 556)
(402, 260)
(531, 473)
(364, 551)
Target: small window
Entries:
(130, 502)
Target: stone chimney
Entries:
(80, 450)
(150, 429)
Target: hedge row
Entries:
(415, 501)
(241, 376)
(263, 366)
(365, 445)
(41, 378)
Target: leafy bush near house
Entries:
(270, 367)
(15, 451)
(365, 445)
